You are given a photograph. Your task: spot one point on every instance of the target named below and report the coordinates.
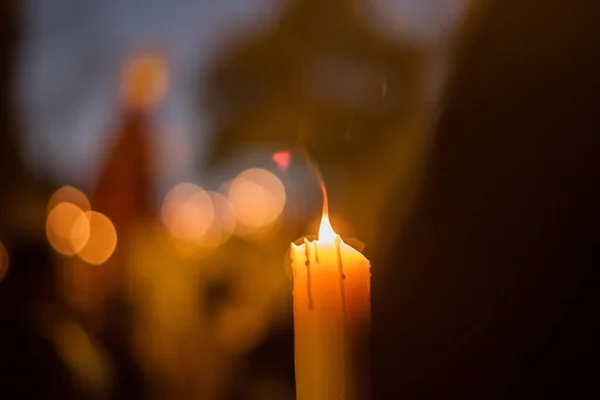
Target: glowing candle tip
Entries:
(326, 232)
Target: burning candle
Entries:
(331, 308)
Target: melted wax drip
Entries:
(307, 263)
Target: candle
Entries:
(331, 308)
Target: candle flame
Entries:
(326, 232)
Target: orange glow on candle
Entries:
(331, 312)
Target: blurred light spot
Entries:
(3, 261)
(86, 359)
(144, 81)
(67, 229)
(282, 159)
(102, 238)
(223, 224)
(257, 197)
(224, 216)
(188, 212)
(69, 194)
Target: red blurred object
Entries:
(123, 194)
(123, 191)
(282, 159)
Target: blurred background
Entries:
(155, 164)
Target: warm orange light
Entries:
(188, 212)
(66, 231)
(215, 231)
(224, 222)
(196, 216)
(250, 203)
(326, 232)
(144, 81)
(331, 306)
(102, 240)
(78, 351)
(257, 197)
(69, 194)
(3, 261)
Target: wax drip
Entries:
(316, 251)
(338, 251)
(308, 280)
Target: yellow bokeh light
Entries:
(257, 197)
(69, 194)
(188, 212)
(3, 261)
(102, 238)
(66, 231)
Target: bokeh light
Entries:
(102, 238)
(188, 212)
(225, 220)
(3, 261)
(69, 194)
(85, 359)
(67, 228)
(144, 81)
(257, 197)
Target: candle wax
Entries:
(331, 308)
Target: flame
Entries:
(326, 232)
